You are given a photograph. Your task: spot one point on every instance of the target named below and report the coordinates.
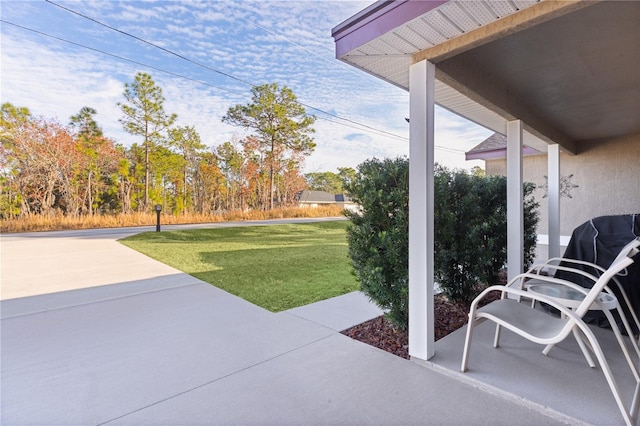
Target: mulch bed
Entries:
(382, 334)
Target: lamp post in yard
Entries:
(158, 210)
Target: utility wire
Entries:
(191, 79)
(122, 58)
(150, 43)
(171, 52)
(380, 132)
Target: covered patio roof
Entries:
(550, 75)
(570, 70)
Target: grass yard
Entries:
(277, 267)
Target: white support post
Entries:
(421, 161)
(553, 196)
(515, 207)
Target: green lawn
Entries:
(277, 267)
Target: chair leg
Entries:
(581, 345)
(583, 348)
(496, 338)
(621, 342)
(634, 404)
(632, 338)
(629, 416)
(467, 345)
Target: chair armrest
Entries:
(548, 279)
(539, 267)
(523, 293)
(547, 264)
(579, 262)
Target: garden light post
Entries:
(158, 210)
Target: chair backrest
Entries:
(629, 250)
(621, 262)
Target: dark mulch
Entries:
(382, 334)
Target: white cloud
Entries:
(291, 46)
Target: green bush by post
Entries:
(378, 234)
(470, 232)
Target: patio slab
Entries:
(561, 383)
(337, 381)
(88, 364)
(109, 335)
(339, 313)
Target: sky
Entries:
(59, 56)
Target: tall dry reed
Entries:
(61, 222)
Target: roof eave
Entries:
(376, 20)
(494, 154)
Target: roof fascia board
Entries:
(534, 15)
(376, 20)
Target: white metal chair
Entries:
(561, 264)
(541, 327)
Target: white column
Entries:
(553, 196)
(421, 97)
(515, 208)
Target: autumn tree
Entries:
(209, 184)
(125, 181)
(241, 163)
(279, 123)
(166, 179)
(13, 120)
(98, 158)
(144, 115)
(187, 142)
(43, 160)
(293, 182)
(231, 162)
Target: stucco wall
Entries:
(607, 174)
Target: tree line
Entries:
(49, 168)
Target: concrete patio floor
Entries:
(95, 333)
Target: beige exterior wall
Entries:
(607, 174)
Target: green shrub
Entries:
(470, 232)
(378, 234)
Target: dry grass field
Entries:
(60, 222)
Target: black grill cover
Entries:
(599, 241)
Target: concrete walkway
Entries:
(95, 333)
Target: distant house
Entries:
(602, 180)
(322, 198)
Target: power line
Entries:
(379, 131)
(150, 43)
(355, 125)
(122, 58)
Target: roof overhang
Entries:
(568, 69)
(495, 147)
(494, 154)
